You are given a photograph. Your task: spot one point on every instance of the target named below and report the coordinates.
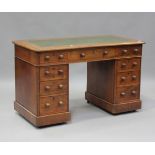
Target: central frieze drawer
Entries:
(91, 54)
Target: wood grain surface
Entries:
(42, 76)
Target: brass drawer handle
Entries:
(47, 57)
(133, 92)
(134, 63)
(61, 103)
(47, 105)
(123, 65)
(125, 51)
(82, 55)
(47, 72)
(134, 77)
(123, 93)
(47, 87)
(123, 78)
(136, 50)
(61, 56)
(60, 86)
(105, 52)
(60, 71)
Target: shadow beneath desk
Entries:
(81, 111)
(40, 127)
(147, 103)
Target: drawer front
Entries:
(135, 63)
(91, 54)
(80, 55)
(136, 50)
(106, 53)
(127, 93)
(123, 64)
(52, 87)
(126, 51)
(126, 64)
(53, 57)
(53, 104)
(53, 72)
(127, 78)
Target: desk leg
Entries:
(104, 92)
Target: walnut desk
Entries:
(42, 79)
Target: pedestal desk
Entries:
(42, 75)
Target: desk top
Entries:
(74, 43)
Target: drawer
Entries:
(52, 87)
(126, 51)
(136, 50)
(123, 64)
(125, 94)
(53, 57)
(58, 72)
(81, 55)
(91, 54)
(128, 78)
(128, 64)
(106, 53)
(135, 63)
(53, 104)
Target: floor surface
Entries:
(88, 122)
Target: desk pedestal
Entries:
(112, 87)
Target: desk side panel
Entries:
(27, 55)
(26, 85)
(100, 79)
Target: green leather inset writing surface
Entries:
(79, 41)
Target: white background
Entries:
(77, 148)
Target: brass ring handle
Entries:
(82, 55)
(61, 56)
(61, 103)
(123, 64)
(47, 57)
(47, 72)
(134, 77)
(47, 87)
(60, 71)
(105, 52)
(60, 86)
(123, 78)
(135, 63)
(123, 93)
(133, 92)
(47, 105)
(124, 51)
